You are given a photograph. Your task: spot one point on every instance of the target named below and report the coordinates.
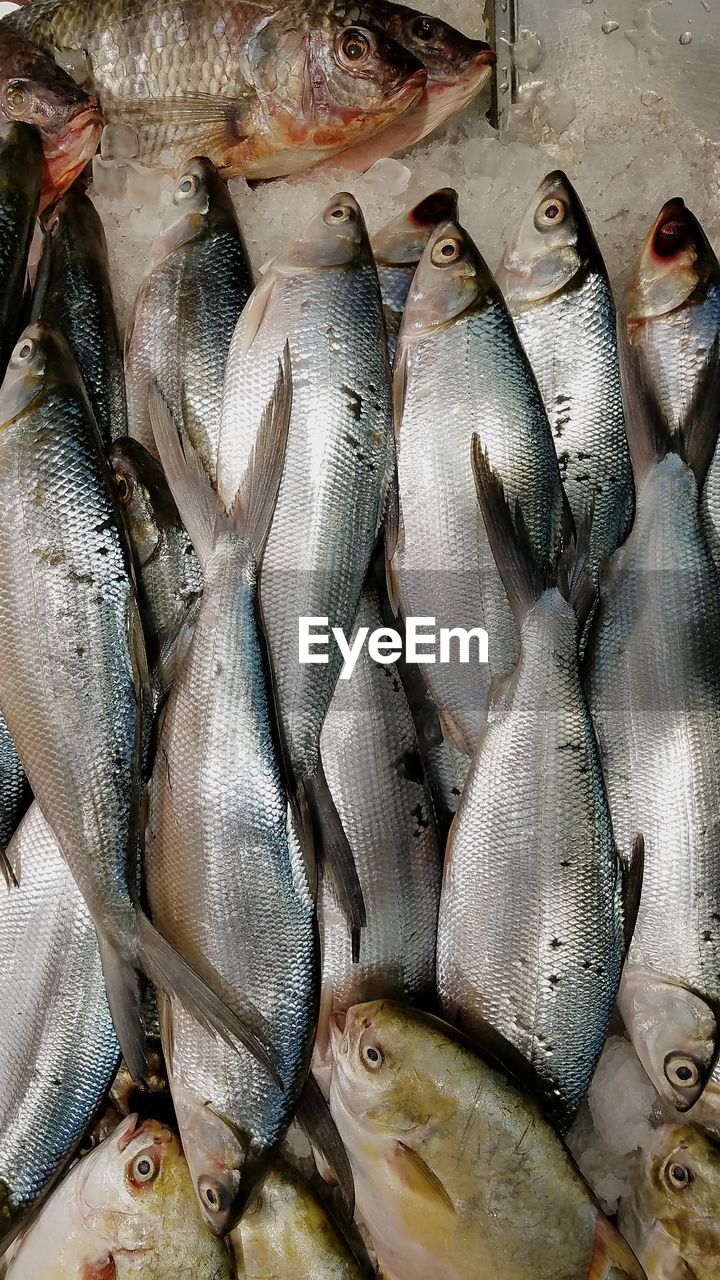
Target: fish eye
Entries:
(341, 213)
(187, 186)
(211, 1195)
(25, 349)
(123, 488)
(143, 1168)
(677, 1175)
(372, 1056)
(423, 28)
(354, 47)
(550, 214)
(15, 98)
(681, 1071)
(446, 252)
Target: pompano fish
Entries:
(220, 840)
(169, 577)
(320, 295)
(78, 302)
(399, 247)
(35, 90)
(457, 1172)
(74, 686)
(285, 1233)
(530, 935)
(654, 693)
(671, 1216)
(59, 1051)
(126, 1210)
(186, 311)
(263, 89)
(460, 369)
(457, 70)
(557, 289)
(672, 312)
(20, 185)
(372, 763)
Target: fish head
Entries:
(144, 496)
(335, 237)
(450, 58)
(402, 242)
(35, 90)
(675, 1035)
(552, 243)
(123, 1181)
(40, 357)
(222, 1166)
(200, 203)
(75, 220)
(324, 79)
(678, 1186)
(451, 279)
(675, 262)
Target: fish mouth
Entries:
(672, 231)
(77, 145)
(412, 89)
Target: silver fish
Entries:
(220, 841)
(74, 686)
(79, 303)
(460, 368)
(654, 693)
(557, 289)
(21, 175)
(15, 796)
(399, 247)
(186, 311)
(59, 1052)
(320, 295)
(530, 935)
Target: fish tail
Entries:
(254, 504)
(167, 969)
(336, 855)
(125, 1002)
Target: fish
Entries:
(671, 1215)
(59, 1053)
(460, 369)
(74, 685)
(457, 1171)
(531, 930)
(321, 296)
(168, 574)
(78, 301)
(126, 1209)
(220, 838)
(457, 67)
(263, 90)
(653, 685)
(20, 184)
(556, 287)
(399, 247)
(36, 91)
(372, 762)
(286, 1233)
(672, 311)
(185, 313)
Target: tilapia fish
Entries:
(220, 841)
(556, 287)
(654, 693)
(169, 577)
(58, 1051)
(285, 1233)
(262, 89)
(186, 311)
(460, 369)
(35, 90)
(20, 184)
(78, 301)
(127, 1210)
(372, 763)
(74, 686)
(671, 1216)
(321, 296)
(530, 935)
(672, 312)
(457, 69)
(457, 1172)
(399, 247)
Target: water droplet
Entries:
(650, 98)
(586, 1)
(609, 26)
(706, 6)
(686, 37)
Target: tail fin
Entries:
(124, 999)
(198, 504)
(650, 436)
(335, 855)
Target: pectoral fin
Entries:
(419, 1179)
(612, 1258)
